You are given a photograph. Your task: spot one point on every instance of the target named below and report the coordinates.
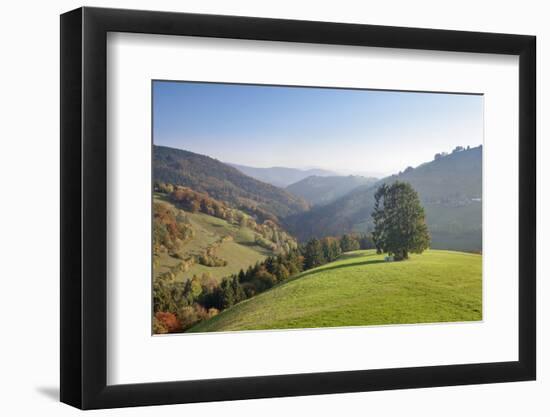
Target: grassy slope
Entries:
(240, 252)
(362, 289)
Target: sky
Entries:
(348, 131)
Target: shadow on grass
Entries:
(358, 254)
(332, 268)
(196, 328)
(246, 243)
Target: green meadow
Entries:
(360, 288)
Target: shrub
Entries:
(159, 327)
(169, 321)
(187, 317)
(208, 282)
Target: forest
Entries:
(180, 305)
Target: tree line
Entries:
(180, 305)
(171, 229)
(224, 183)
(269, 234)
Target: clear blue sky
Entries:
(348, 131)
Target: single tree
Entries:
(399, 221)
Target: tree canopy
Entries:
(399, 221)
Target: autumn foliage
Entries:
(169, 321)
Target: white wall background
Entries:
(29, 219)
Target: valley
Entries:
(319, 191)
(231, 252)
(450, 188)
(360, 289)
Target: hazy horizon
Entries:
(349, 132)
(308, 168)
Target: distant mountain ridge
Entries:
(450, 188)
(223, 182)
(280, 176)
(323, 190)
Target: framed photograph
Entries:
(256, 208)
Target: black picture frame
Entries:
(84, 207)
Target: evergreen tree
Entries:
(349, 243)
(335, 249)
(313, 255)
(399, 221)
(238, 292)
(366, 242)
(227, 294)
(294, 262)
(270, 264)
(378, 218)
(331, 248)
(327, 253)
(242, 276)
(281, 272)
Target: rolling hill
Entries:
(235, 244)
(361, 289)
(450, 188)
(318, 190)
(280, 176)
(222, 182)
